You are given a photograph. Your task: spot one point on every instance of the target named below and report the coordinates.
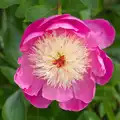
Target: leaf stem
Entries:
(59, 7)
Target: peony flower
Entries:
(62, 59)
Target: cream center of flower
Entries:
(59, 59)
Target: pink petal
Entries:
(102, 32)
(25, 79)
(69, 24)
(98, 67)
(58, 94)
(29, 41)
(73, 105)
(35, 87)
(31, 31)
(38, 28)
(109, 69)
(33, 28)
(84, 90)
(64, 21)
(23, 76)
(55, 18)
(38, 101)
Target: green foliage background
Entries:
(15, 16)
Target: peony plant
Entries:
(63, 60)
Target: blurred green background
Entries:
(15, 16)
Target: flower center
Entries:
(59, 59)
(60, 62)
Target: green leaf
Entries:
(107, 93)
(3, 79)
(8, 73)
(89, 3)
(116, 8)
(21, 10)
(52, 3)
(14, 108)
(102, 92)
(73, 7)
(36, 118)
(85, 14)
(11, 37)
(88, 115)
(3, 27)
(1, 43)
(7, 3)
(1, 97)
(101, 110)
(66, 115)
(93, 4)
(0, 115)
(116, 94)
(116, 75)
(51, 112)
(11, 45)
(118, 116)
(93, 7)
(5, 91)
(108, 110)
(38, 11)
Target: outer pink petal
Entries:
(36, 29)
(29, 41)
(35, 87)
(70, 24)
(109, 69)
(25, 79)
(32, 28)
(98, 67)
(59, 21)
(38, 101)
(23, 76)
(102, 32)
(65, 21)
(84, 90)
(58, 94)
(73, 105)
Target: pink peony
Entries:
(63, 60)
